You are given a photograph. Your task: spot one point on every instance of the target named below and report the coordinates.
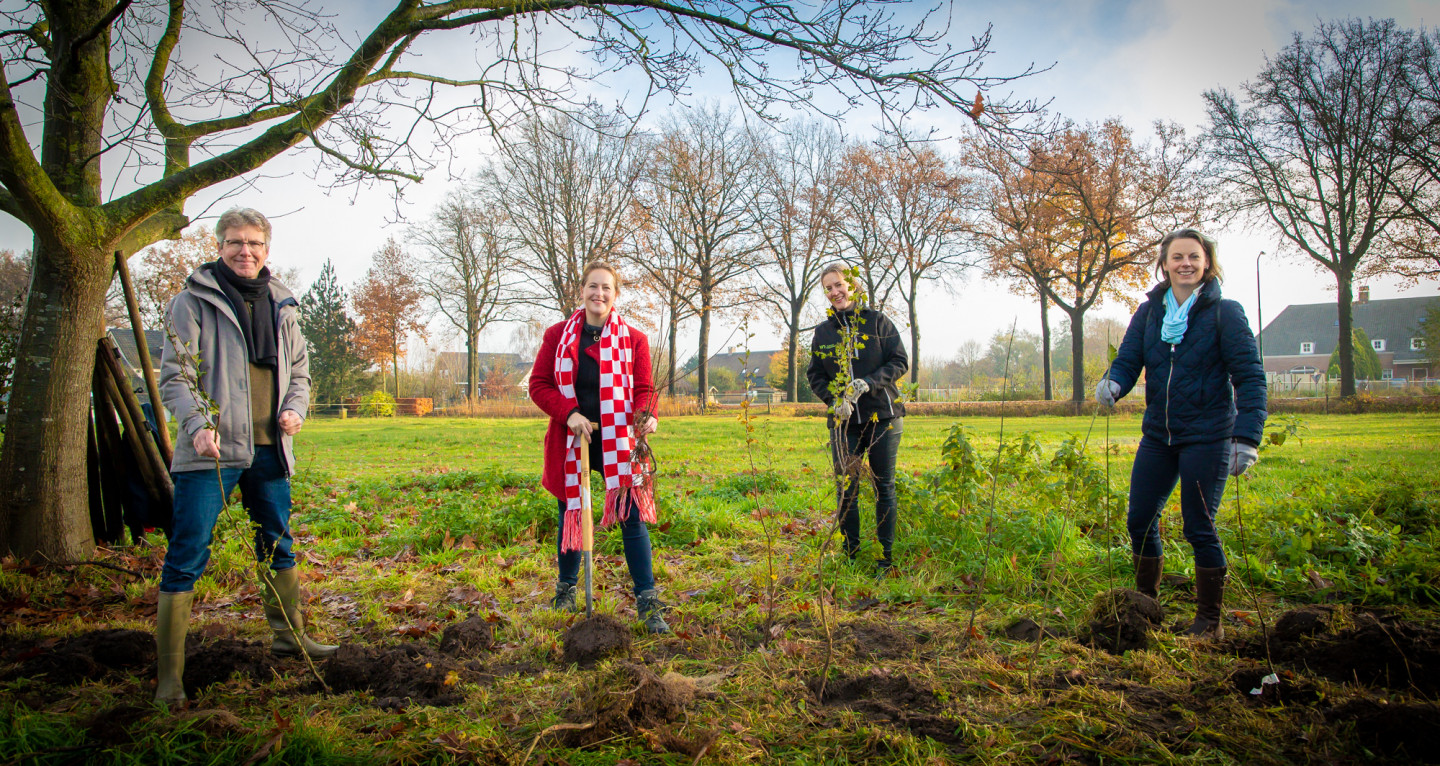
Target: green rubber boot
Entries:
(280, 593)
(172, 622)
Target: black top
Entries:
(881, 361)
(587, 377)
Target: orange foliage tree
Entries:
(388, 304)
(1118, 199)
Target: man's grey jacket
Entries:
(201, 319)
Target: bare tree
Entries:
(795, 213)
(912, 202)
(463, 271)
(1120, 199)
(862, 230)
(183, 96)
(665, 276)
(1325, 148)
(564, 182)
(700, 180)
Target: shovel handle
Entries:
(587, 525)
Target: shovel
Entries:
(587, 526)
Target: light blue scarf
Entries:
(1177, 317)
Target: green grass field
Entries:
(408, 526)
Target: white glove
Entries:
(1242, 456)
(1107, 392)
(844, 409)
(856, 389)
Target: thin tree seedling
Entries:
(994, 489)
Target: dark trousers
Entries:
(634, 533)
(1201, 470)
(265, 493)
(879, 441)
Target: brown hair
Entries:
(1212, 265)
(599, 266)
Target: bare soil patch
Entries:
(595, 638)
(398, 676)
(1121, 620)
(894, 701)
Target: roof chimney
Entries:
(1364, 294)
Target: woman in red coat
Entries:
(594, 368)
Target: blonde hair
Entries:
(601, 266)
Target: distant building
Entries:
(452, 364)
(1300, 340)
(750, 368)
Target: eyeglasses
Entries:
(236, 244)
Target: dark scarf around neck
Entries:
(250, 300)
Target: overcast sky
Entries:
(1139, 61)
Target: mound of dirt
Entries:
(636, 700)
(1394, 654)
(468, 638)
(1407, 732)
(212, 662)
(893, 700)
(876, 639)
(111, 727)
(1305, 621)
(397, 676)
(1121, 620)
(595, 638)
(86, 657)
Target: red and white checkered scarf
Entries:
(617, 389)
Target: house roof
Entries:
(124, 339)
(454, 361)
(1396, 320)
(737, 361)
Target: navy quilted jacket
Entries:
(1207, 387)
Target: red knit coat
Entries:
(546, 394)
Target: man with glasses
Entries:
(236, 377)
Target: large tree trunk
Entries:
(44, 503)
(1077, 357)
(43, 497)
(702, 373)
(914, 340)
(1045, 347)
(670, 354)
(1345, 316)
(792, 375)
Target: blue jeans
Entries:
(265, 493)
(880, 440)
(634, 532)
(1201, 470)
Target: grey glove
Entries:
(856, 389)
(844, 409)
(1242, 456)
(1107, 392)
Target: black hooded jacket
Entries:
(880, 360)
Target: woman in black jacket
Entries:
(1204, 413)
(856, 377)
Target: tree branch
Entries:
(101, 25)
(374, 170)
(29, 190)
(8, 204)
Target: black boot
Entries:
(1147, 574)
(652, 611)
(564, 600)
(1209, 595)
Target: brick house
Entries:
(1300, 340)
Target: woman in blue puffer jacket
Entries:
(1204, 413)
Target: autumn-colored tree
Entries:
(912, 204)
(698, 186)
(796, 211)
(660, 282)
(1118, 199)
(165, 266)
(1018, 226)
(388, 304)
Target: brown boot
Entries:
(172, 622)
(280, 595)
(1147, 574)
(1209, 595)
